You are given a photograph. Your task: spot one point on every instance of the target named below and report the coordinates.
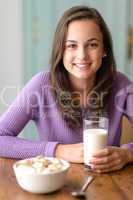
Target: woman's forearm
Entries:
(19, 148)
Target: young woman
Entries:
(83, 78)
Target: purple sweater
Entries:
(35, 102)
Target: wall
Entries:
(10, 50)
(40, 20)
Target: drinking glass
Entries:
(95, 131)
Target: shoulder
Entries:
(36, 84)
(122, 88)
(121, 81)
(39, 80)
(122, 77)
(41, 77)
(123, 95)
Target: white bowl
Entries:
(41, 182)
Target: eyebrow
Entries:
(89, 40)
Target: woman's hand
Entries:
(70, 152)
(111, 159)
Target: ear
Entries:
(104, 54)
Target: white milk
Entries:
(93, 139)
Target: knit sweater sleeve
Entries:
(23, 109)
(128, 110)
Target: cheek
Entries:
(67, 58)
(98, 57)
(97, 60)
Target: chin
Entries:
(85, 75)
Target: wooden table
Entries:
(112, 186)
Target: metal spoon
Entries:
(81, 193)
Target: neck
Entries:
(82, 85)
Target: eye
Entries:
(71, 46)
(93, 45)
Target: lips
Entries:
(82, 66)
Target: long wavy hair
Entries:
(72, 112)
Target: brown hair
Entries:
(59, 76)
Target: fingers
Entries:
(114, 168)
(108, 159)
(102, 160)
(108, 165)
(102, 152)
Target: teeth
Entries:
(82, 65)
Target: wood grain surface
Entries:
(112, 186)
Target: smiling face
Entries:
(83, 49)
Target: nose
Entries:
(82, 53)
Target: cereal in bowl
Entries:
(41, 165)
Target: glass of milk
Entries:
(95, 131)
